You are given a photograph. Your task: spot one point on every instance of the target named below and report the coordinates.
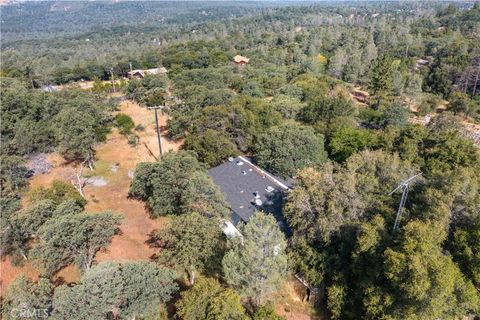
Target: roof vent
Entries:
(239, 163)
(230, 159)
(258, 202)
(244, 173)
(269, 189)
(257, 195)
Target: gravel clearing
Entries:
(39, 164)
(97, 181)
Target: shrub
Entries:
(133, 140)
(139, 128)
(124, 123)
(58, 192)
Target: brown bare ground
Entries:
(68, 274)
(8, 273)
(130, 243)
(290, 302)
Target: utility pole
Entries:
(113, 81)
(404, 186)
(158, 128)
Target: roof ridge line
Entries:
(265, 173)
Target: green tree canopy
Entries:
(70, 120)
(395, 115)
(256, 265)
(447, 150)
(347, 141)
(325, 109)
(326, 203)
(74, 239)
(266, 312)
(195, 302)
(212, 147)
(18, 228)
(177, 184)
(381, 80)
(466, 249)
(149, 90)
(124, 123)
(286, 148)
(75, 135)
(25, 299)
(461, 103)
(13, 173)
(191, 243)
(126, 291)
(227, 305)
(427, 282)
(288, 107)
(241, 121)
(58, 192)
(207, 299)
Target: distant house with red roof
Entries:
(240, 60)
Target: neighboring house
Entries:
(136, 74)
(240, 60)
(140, 74)
(360, 95)
(422, 63)
(248, 189)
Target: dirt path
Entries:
(116, 161)
(117, 153)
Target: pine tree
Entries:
(257, 264)
(381, 81)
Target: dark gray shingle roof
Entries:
(240, 181)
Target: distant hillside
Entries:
(28, 20)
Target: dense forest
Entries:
(328, 100)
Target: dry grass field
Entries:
(116, 160)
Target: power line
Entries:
(404, 186)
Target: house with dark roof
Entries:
(248, 188)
